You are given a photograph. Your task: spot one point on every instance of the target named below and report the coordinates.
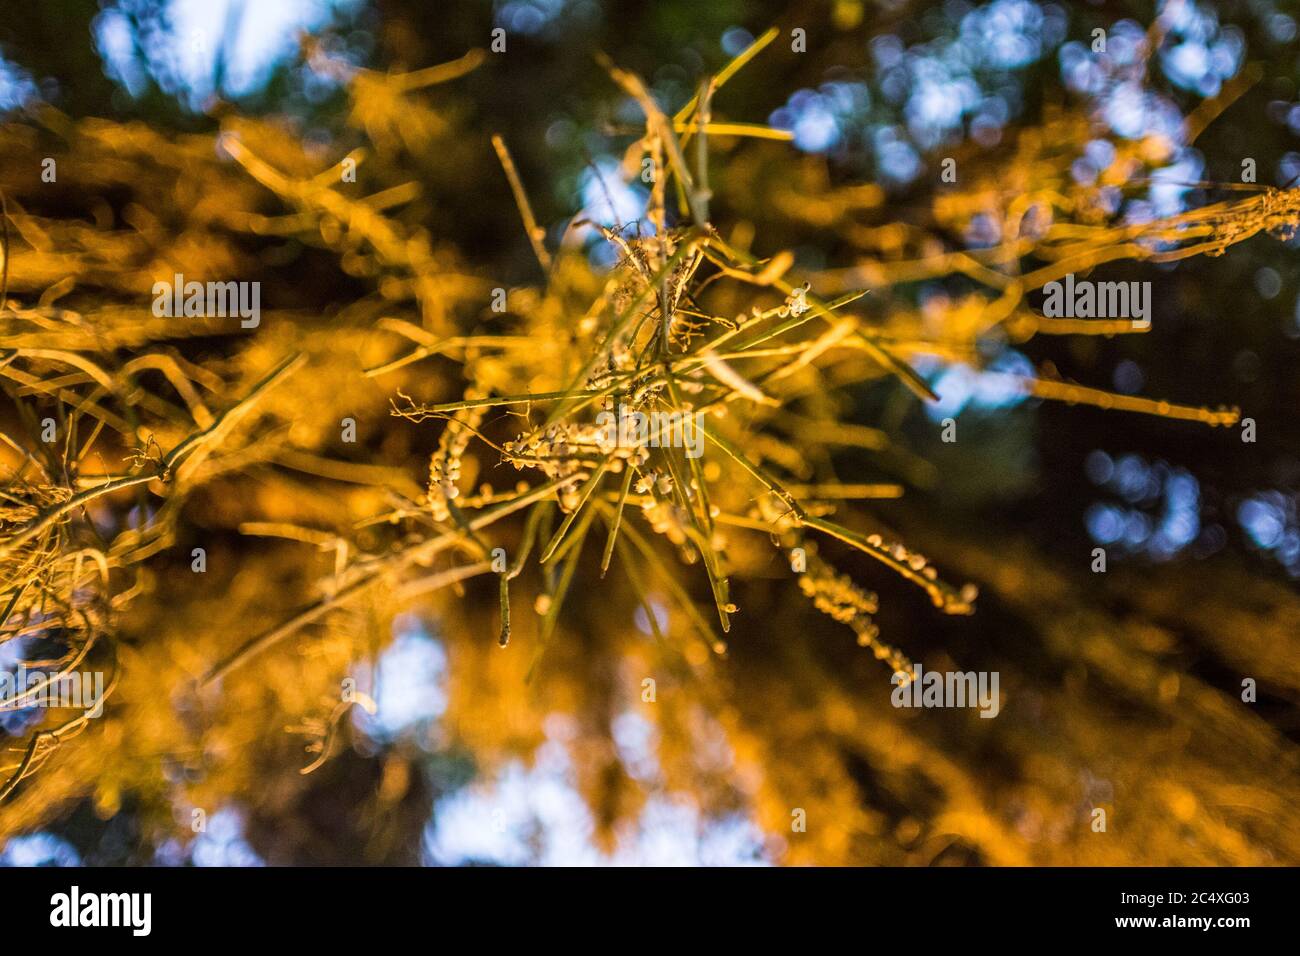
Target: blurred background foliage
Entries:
(1122, 690)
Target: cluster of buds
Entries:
(557, 451)
(620, 359)
(622, 444)
(666, 519)
(951, 601)
(444, 465)
(796, 303)
(899, 552)
(653, 480)
(836, 596)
